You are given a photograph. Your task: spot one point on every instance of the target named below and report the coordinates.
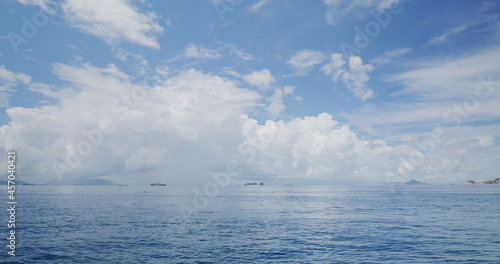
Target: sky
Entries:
(309, 92)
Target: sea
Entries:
(254, 224)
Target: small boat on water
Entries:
(254, 184)
(159, 184)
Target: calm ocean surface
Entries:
(269, 224)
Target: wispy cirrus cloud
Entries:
(388, 56)
(449, 33)
(257, 6)
(452, 78)
(489, 22)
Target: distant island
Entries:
(494, 181)
(412, 182)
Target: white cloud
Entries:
(8, 80)
(262, 79)
(312, 147)
(113, 21)
(452, 78)
(353, 74)
(257, 6)
(183, 128)
(389, 55)
(43, 89)
(194, 51)
(177, 132)
(276, 105)
(193, 123)
(443, 37)
(302, 61)
(199, 52)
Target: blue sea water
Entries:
(269, 224)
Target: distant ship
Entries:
(254, 184)
(159, 184)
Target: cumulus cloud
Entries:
(262, 79)
(302, 61)
(354, 74)
(311, 147)
(113, 21)
(177, 131)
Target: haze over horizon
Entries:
(300, 92)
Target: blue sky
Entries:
(311, 92)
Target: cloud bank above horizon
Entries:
(136, 91)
